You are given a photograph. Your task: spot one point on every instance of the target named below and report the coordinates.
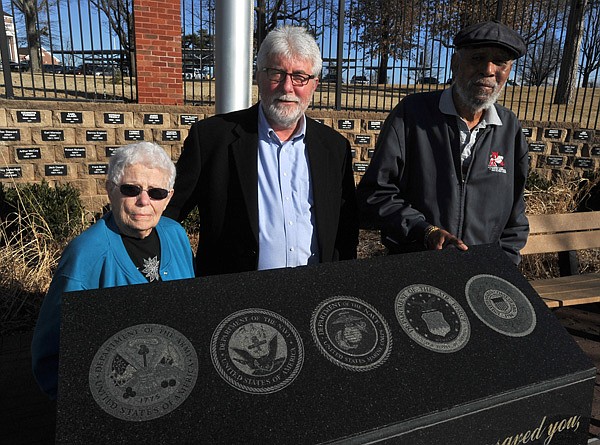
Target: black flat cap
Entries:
(492, 33)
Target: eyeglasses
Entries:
(135, 190)
(298, 79)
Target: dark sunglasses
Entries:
(135, 190)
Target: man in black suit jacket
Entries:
(273, 187)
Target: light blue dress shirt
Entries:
(286, 220)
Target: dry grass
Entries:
(28, 256)
(564, 194)
(69, 86)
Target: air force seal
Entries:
(351, 334)
(257, 351)
(500, 305)
(143, 372)
(432, 318)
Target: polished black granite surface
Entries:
(434, 347)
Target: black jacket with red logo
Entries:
(415, 180)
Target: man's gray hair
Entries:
(148, 154)
(293, 43)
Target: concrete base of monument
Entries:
(435, 347)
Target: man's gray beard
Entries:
(284, 120)
(473, 104)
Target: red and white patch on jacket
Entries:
(496, 163)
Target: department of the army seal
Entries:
(500, 305)
(351, 333)
(143, 372)
(257, 351)
(432, 318)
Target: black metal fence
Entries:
(68, 50)
(198, 46)
(374, 51)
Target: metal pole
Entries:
(5, 57)
(340, 55)
(233, 54)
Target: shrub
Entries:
(36, 222)
(59, 208)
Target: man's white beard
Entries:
(473, 103)
(282, 116)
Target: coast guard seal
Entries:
(500, 305)
(351, 333)
(257, 351)
(143, 372)
(432, 318)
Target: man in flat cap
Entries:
(450, 166)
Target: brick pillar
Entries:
(158, 51)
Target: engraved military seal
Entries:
(500, 305)
(143, 372)
(257, 351)
(351, 333)
(432, 318)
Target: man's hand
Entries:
(437, 239)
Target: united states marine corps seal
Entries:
(351, 333)
(257, 351)
(500, 305)
(432, 318)
(143, 372)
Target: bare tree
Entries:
(542, 61)
(198, 48)
(570, 59)
(35, 28)
(533, 19)
(590, 45)
(119, 14)
(386, 29)
(269, 13)
(307, 13)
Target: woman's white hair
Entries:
(148, 154)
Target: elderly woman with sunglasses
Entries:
(131, 244)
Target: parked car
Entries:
(105, 71)
(52, 68)
(428, 80)
(88, 68)
(23, 65)
(330, 77)
(359, 80)
(190, 73)
(84, 69)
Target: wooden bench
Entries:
(565, 233)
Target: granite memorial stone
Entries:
(429, 348)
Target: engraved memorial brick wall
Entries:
(72, 142)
